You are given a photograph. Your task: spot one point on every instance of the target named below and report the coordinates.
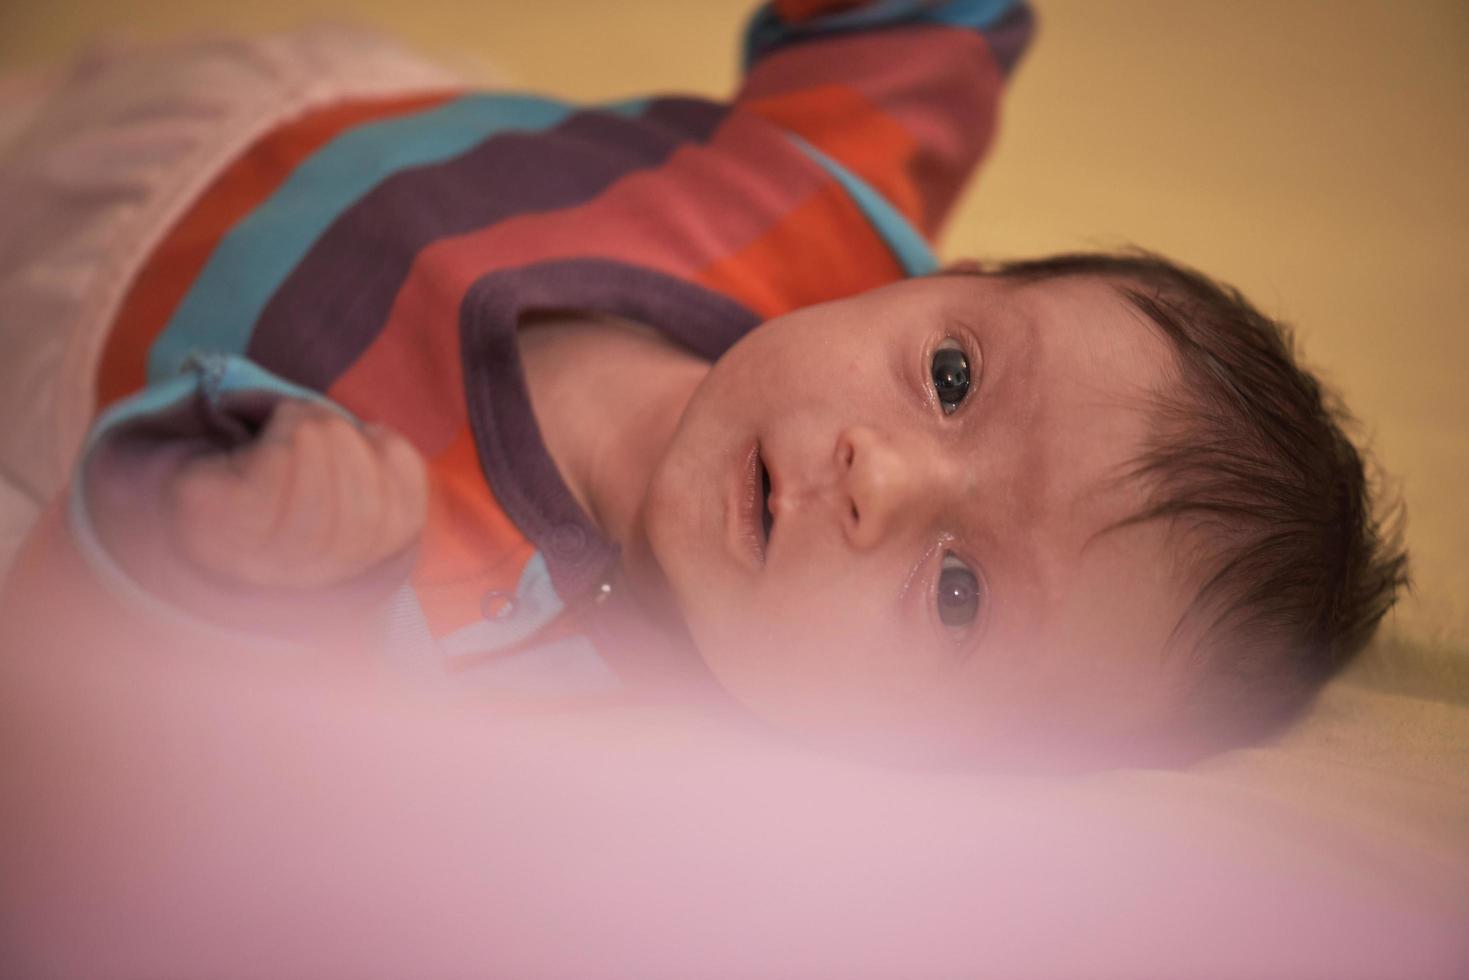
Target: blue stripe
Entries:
(974, 14)
(902, 239)
(534, 604)
(766, 31)
(221, 308)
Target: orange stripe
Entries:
(239, 189)
(846, 125)
(789, 266)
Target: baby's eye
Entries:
(950, 370)
(958, 593)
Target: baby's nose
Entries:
(884, 485)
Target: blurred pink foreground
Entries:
(180, 814)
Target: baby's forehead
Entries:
(1083, 344)
(1088, 305)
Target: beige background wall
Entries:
(1313, 152)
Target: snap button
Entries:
(568, 539)
(497, 604)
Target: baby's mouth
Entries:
(767, 519)
(753, 520)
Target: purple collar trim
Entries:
(514, 458)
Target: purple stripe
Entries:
(334, 303)
(1009, 38)
(525, 479)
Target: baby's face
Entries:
(934, 570)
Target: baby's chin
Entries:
(686, 513)
(667, 515)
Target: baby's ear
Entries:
(963, 267)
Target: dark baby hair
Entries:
(1249, 459)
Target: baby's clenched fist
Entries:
(314, 501)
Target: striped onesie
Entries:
(378, 252)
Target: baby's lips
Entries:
(769, 502)
(744, 516)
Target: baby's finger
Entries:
(360, 511)
(406, 475)
(304, 544)
(223, 507)
(258, 513)
(352, 492)
(393, 525)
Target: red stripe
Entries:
(909, 110)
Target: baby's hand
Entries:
(314, 501)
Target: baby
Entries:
(668, 398)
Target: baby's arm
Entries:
(903, 93)
(225, 507)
